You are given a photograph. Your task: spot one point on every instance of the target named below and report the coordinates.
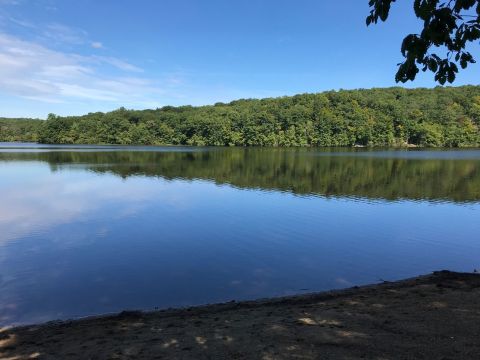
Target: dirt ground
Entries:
(430, 317)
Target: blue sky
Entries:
(80, 56)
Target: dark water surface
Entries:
(89, 230)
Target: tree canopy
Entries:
(448, 27)
(396, 116)
(19, 129)
(377, 117)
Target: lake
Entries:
(88, 230)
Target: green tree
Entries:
(377, 117)
(448, 24)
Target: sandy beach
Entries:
(435, 316)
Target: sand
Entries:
(429, 317)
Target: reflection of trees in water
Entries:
(299, 172)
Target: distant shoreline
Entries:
(339, 147)
(431, 316)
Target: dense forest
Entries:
(443, 116)
(299, 171)
(19, 129)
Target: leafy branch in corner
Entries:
(450, 25)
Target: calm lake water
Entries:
(89, 230)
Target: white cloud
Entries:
(119, 64)
(22, 23)
(64, 34)
(31, 70)
(47, 65)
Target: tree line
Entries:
(438, 117)
(19, 129)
